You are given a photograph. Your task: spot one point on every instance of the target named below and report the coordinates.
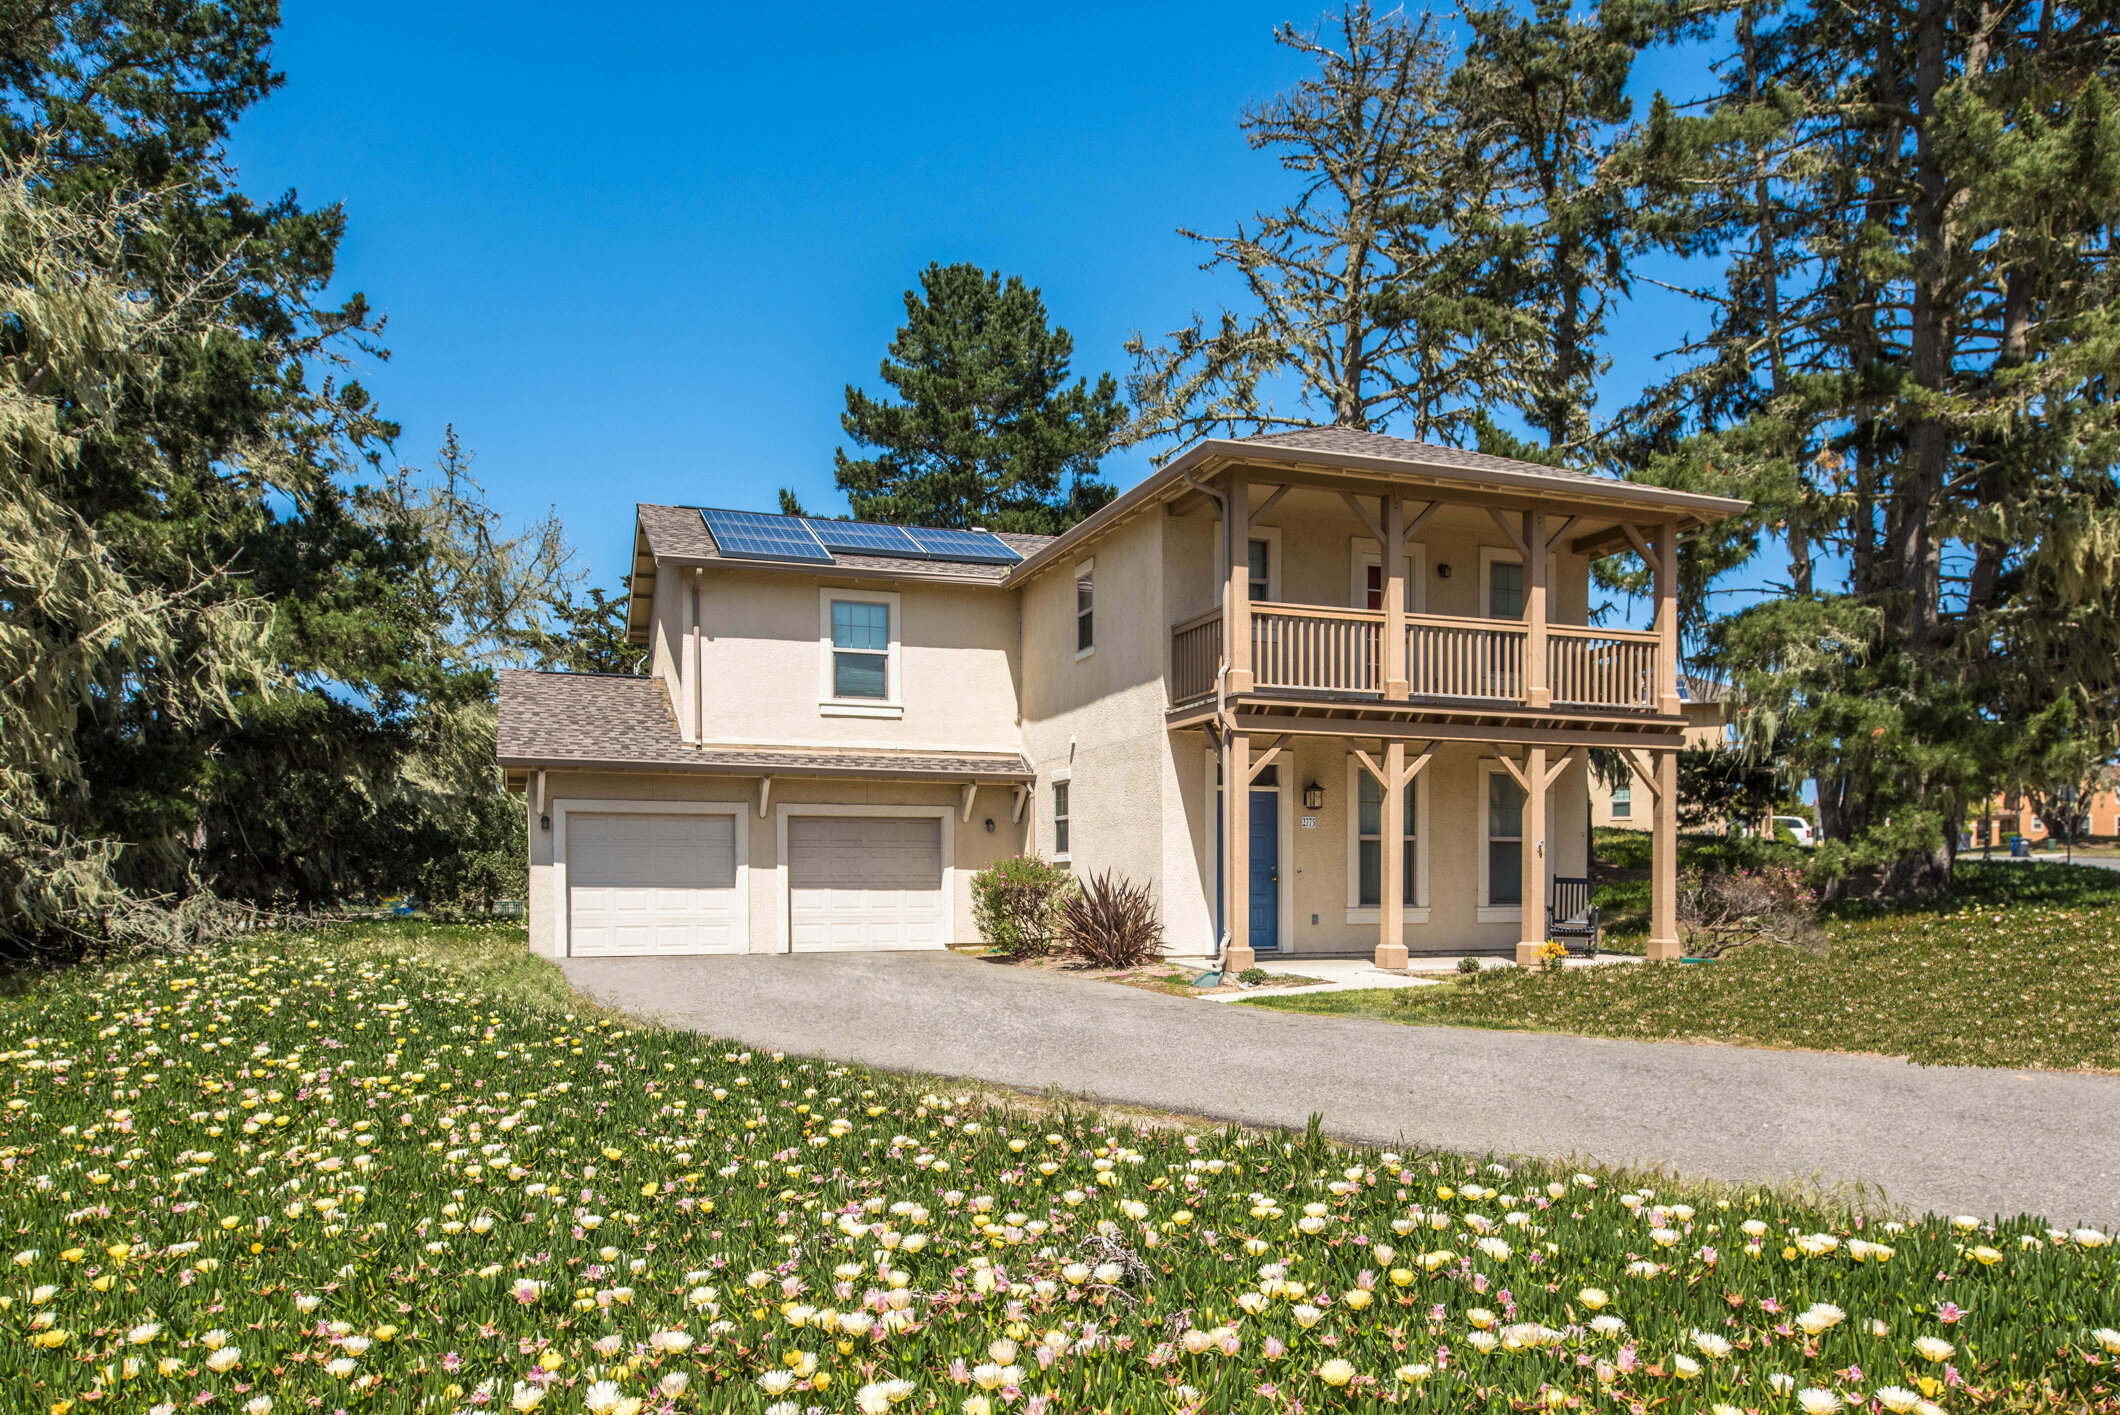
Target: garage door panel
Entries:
(860, 882)
(652, 883)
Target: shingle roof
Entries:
(679, 533)
(617, 721)
(1352, 442)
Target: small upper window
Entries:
(1261, 553)
(1085, 602)
(1059, 818)
(861, 643)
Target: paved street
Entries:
(1944, 1138)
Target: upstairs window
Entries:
(1505, 589)
(1261, 571)
(1085, 607)
(861, 646)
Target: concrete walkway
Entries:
(1949, 1139)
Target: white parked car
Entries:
(1798, 827)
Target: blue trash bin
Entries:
(2020, 849)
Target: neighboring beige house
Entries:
(1626, 806)
(831, 736)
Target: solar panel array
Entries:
(757, 535)
(753, 535)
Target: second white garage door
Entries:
(640, 882)
(865, 882)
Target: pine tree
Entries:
(989, 433)
(1908, 371)
(1384, 294)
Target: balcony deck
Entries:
(1338, 654)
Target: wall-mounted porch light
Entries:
(1313, 796)
(1442, 572)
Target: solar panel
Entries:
(860, 536)
(964, 545)
(753, 535)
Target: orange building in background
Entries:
(2012, 814)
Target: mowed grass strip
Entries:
(2021, 969)
(339, 1174)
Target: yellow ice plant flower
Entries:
(1337, 1372)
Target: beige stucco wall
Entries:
(973, 846)
(764, 663)
(1098, 719)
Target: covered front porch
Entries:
(1393, 837)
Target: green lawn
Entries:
(395, 1172)
(2021, 968)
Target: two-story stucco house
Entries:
(1383, 644)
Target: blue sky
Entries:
(636, 253)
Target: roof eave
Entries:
(1209, 452)
(757, 769)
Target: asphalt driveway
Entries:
(1950, 1139)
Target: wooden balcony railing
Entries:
(1325, 650)
(1602, 667)
(1328, 651)
(1195, 654)
(1464, 658)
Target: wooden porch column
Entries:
(1391, 859)
(1538, 683)
(1667, 621)
(1394, 579)
(1663, 862)
(1236, 596)
(1236, 846)
(1531, 932)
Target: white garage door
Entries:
(863, 882)
(641, 883)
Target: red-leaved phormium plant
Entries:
(1111, 924)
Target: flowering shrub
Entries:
(291, 1176)
(1016, 904)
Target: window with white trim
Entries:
(1261, 555)
(1623, 802)
(1369, 838)
(1060, 848)
(858, 654)
(861, 649)
(1085, 607)
(1505, 839)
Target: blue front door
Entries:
(1265, 870)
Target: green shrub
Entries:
(1468, 964)
(1252, 975)
(1016, 904)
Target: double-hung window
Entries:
(1505, 589)
(861, 649)
(1370, 842)
(1060, 819)
(1505, 840)
(1623, 802)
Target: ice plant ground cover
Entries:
(1968, 983)
(305, 1174)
